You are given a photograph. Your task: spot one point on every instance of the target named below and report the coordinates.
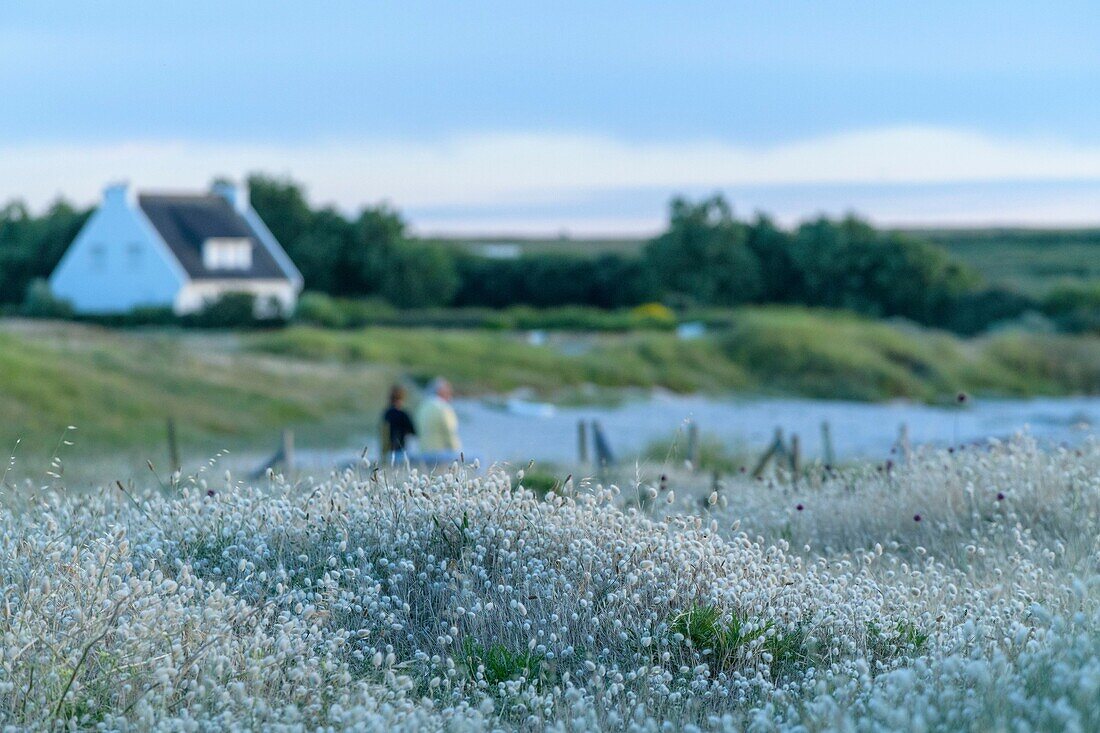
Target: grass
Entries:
(496, 663)
(703, 627)
(773, 350)
(239, 390)
(119, 390)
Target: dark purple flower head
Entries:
(799, 507)
(210, 492)
(961, 398)
(916, 517)
(1000, 496)
(950, 449)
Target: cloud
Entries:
(502, 169)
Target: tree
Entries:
(282, 205)
(363, 263)
(419, 276)
(320, 248)
(704, 257)
(849, 264)
(31, 247)
(782, 280)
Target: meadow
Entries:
(953, 591)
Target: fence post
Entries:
(693, 444)
(173, 447)
(795, 458)
(604, 455)
(827, 444)
(903, 441)
(775, 447)
(582, 442)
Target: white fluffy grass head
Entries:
(462, 601)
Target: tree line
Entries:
(706, 257)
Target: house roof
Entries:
(184, 222)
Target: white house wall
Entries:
(117, 262)
(196, 293)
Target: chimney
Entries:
(118, 194)
(236, 195)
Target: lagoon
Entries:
(859, 430)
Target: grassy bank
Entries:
(120, 388)
(239, 390)
(770, 350)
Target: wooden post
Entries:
(827, 445)
(582, 442)
(288, 450)
(775, 447)
(795, 458)
(693, 444)
(604, 455)
(903, 442)
(173, 447)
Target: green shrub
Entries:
(231, 310)
(40, 302)
(145, 315)
(540, 483)
(1075, 308)
(322, 310)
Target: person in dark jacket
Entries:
(397, 426)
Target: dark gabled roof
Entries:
(184, 222)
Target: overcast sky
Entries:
(549, 116)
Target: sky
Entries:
(579, 117)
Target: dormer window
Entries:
(227, 253)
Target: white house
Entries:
(177, 250)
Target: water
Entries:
(858, 429)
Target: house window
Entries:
(98, 256)
(133, 255)
(225, 253)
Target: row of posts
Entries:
(601, 448)
(778, 449)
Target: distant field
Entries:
(588, 246)
(1032, 260)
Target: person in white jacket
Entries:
(437, 424)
